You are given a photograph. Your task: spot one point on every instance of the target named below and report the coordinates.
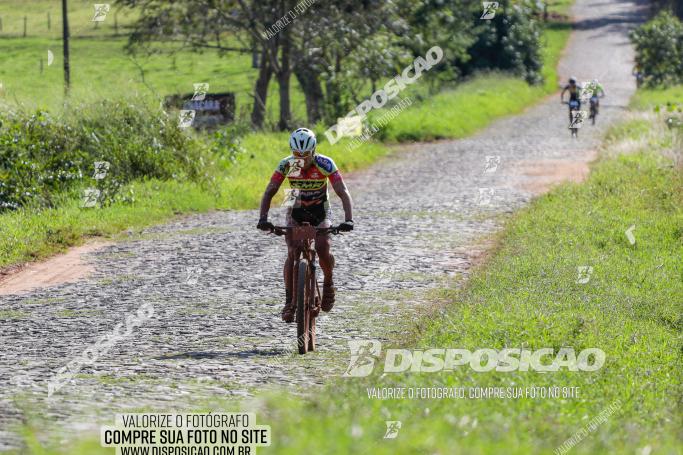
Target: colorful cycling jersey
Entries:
(311, 182)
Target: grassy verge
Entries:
(646, 98)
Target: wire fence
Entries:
(49, 24)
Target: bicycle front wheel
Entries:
(302, 313)
(311, 295)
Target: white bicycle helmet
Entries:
(303, 140)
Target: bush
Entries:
(511, 41)
(659, 50)
(42, 157)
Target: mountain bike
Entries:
(305, 288)
(594, 108)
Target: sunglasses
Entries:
(301, 154)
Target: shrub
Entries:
(511, 41)
(42, 156)
(659, 50)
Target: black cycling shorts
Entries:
(314, 214)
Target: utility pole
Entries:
(65, 41)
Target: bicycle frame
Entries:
(305, 288)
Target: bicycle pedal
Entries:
(315, 311)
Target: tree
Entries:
(446, 23)
(510, 41)
(201, 25)
(659, 50)
(328, 48)
(675, 6)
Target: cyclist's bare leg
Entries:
(322, 247)
(288, 269)
(325, 258)
(289, 308)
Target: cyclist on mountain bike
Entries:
(574, 95)
(594, 91)
(308, 173)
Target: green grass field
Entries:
(101, 68)
(647, 98)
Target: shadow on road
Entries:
(225, 355)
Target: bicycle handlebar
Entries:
(281, 230)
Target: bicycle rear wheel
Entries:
(302, 313)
